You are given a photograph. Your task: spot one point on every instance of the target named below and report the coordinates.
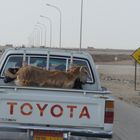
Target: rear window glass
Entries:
(38, 61)
(57, 64)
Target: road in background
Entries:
(127, 122)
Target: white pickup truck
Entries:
(54, 112)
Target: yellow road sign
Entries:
(136, 55)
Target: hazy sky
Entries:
(106, 23)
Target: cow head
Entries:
(83, 74)
(80, 72)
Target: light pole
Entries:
(50, 21)
(36, 37)
(31, 39)
(58, 9)
(41, 33)
(81, 24)
(45, 39)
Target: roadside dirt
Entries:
(123, 91)
(121, 83)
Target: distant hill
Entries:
(6, 46)
(109, 56)
(101, 55)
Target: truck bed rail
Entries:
(15, 88)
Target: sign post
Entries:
(135, 79)
(136, 56)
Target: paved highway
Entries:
(127, 122)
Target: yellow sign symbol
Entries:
(136, 55)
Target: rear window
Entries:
(55, 63)
(38, 61)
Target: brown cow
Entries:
(34, 76)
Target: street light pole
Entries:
(45, 39)
(58, 9)
(50, 21)
(41, 34)
(81, 24)
(31, 39)
(36, 37)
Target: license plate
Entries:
(41, 135)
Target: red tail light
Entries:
(109, 112)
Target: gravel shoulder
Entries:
(120, 81)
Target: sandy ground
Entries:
(120, 80)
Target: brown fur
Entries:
(34, 76)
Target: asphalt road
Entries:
(127, 122)
(126, 127)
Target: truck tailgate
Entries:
(48, 107)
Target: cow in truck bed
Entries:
(35, 76)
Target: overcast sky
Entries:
(106, 23)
